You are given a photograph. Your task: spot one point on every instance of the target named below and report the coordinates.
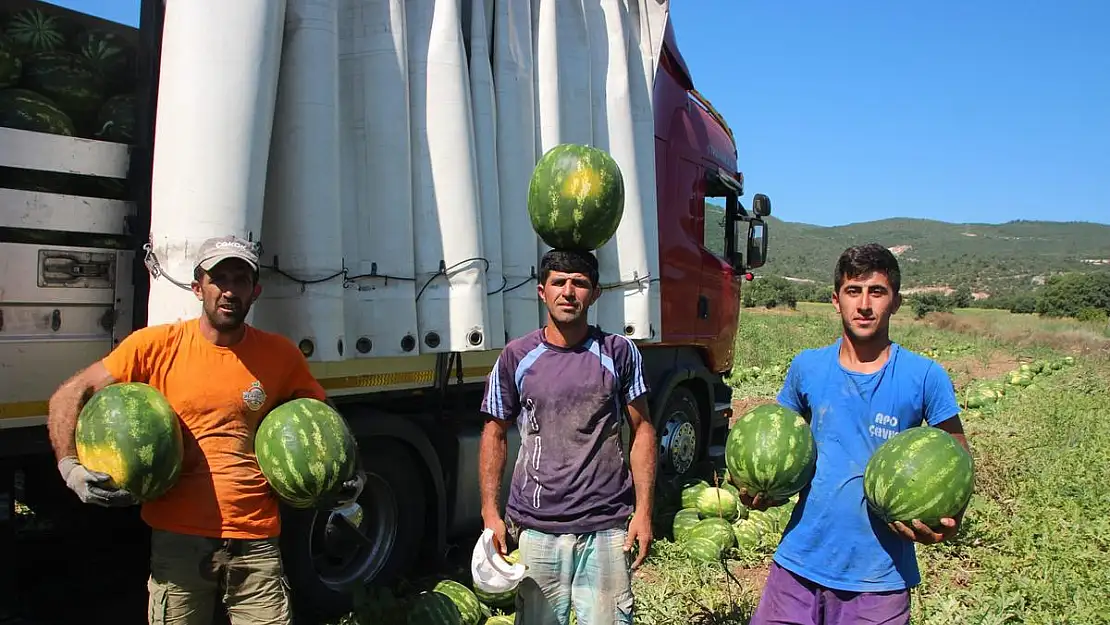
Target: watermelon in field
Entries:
(130, 432)
(716, 529)
(502, 600)
(684, 520)
(691, 491)
(501, 619)
(27, 110)
(305, 450)
(921, 473)
(770, 451)
(718, 502)
(32, 30)
(703, 549)
(69, 80)
(576, 197)
(470, 609)
(747, 533)
(116, 119)
(433, 608)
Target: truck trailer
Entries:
(379, 153)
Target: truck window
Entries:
(713, 227)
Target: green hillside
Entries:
(989, 258)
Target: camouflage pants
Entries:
(190, 574)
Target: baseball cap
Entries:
(217, 249)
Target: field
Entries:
(1033, 547)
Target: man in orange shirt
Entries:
(216, 531)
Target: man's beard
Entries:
(227, 322)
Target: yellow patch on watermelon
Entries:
(104, 459)
(580, 183)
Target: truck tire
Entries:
(680, 433)
(324, 562)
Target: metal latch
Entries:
(76, 269)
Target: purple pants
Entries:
(792, 600)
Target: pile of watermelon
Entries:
(712, 523)
(982, 395)
(576, 197)
(130, 432)
(59, 78)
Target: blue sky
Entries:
(851, 111)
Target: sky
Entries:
(858, 110)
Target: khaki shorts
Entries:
(190, 574)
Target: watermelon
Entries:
(34, 30)
(109, 53)
(716, 529)
(116, 119)
(770, 452)
(703, 549)
(684, 520)
(718, 502)
(27, 110)
(504, 599)
(501, 619)
(305, 450)
(576, 197)
(747, 533)
(433, 608)
(470, 609)
(11, 66)
(691, 492)
(920, 473)
(69, 80)
(130, 431)
(763, 520)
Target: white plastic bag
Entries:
(490, 571)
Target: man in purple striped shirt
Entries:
(567, 387)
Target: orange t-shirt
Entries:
(221, 395)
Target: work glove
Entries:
(348, 492)
(92, 486)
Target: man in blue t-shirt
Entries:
(567, 387)
(837, 563)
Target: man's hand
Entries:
(92, 486)
(639, 533)
(347, 493)
(756, 502)
(919, 532)
(500, 533)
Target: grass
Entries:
(1034, 543)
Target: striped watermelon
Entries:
(33, 30)
(305, 450)
(433, 608)
(764, 520)
(691, 492)
(770, 451)
(703, 549)
(501, 619)
(131, 432)
(502, 600)
(920, 473)
(718, 502)
(747, 534)
(684, 520)
(576, 197)
(69, 80)
(109, 53)
(715, 529)
(116, 119)
(27, 110)
(470, 609)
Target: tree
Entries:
(1066, 295)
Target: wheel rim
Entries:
(339, 557)
(678, 443)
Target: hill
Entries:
(990, 258)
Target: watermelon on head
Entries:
(130, 432)
(576, 197)
(306, 451)
(770, 452)
(920, 473)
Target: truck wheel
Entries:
(680, 433)
(325, 559)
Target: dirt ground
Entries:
(744, 404)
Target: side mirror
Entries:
(756, 255)
(761, 205)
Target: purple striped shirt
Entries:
(568, 405)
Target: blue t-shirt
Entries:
(832, 538)
(568, 404)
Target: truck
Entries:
(378, 152)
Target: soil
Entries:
(744, 404)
